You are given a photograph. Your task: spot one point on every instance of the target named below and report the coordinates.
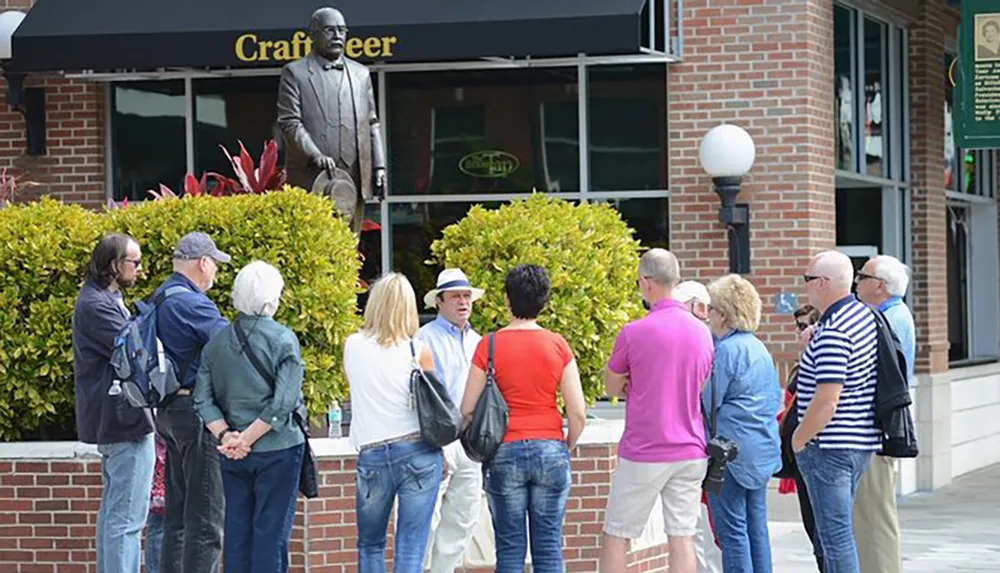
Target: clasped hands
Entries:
(234, 446)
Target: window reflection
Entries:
(228, 111)
(413, 227)
(647, 217)
(952, 171)
(628, 128)
(147, 138)
(843, 26)
(495, 131)
(875, 103)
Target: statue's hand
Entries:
(325, 163)
(379, 190)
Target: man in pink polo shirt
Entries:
(659, 364)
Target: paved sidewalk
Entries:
(953, 530)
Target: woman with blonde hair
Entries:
(393, 462)
(747, 399)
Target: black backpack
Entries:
(484, 434)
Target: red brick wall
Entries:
(767, 67)
(48, 512)
(928, 198)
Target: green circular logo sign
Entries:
(493, 164)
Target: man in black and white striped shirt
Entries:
(837, 434)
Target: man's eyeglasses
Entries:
(136, 262)
(865, 276)
(810, 278)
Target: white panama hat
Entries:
(451, 279)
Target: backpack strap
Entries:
(490, 372)
(167, 293)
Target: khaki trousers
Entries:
(876, 522)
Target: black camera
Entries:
(720, 451)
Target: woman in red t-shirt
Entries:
(530, 474)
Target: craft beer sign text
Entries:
(251, 48)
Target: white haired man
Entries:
(837, 433)
(453, 342)
(881, 284)
(695, 297)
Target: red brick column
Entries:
(928, 198)
(767, 67)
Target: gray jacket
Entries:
(98, 317)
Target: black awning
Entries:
(107, 35)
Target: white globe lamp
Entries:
(727, 154)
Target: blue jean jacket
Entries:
(747, 406)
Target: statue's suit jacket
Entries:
(305, 97)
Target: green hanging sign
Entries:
(977, 81)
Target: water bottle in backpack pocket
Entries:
(144, 371)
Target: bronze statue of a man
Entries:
(328, 117)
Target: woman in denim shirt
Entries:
(747, 405)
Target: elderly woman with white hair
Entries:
(745, 397)
(251, 416)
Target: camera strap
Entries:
(712, 404)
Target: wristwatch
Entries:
(222, 434)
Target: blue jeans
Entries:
(260, 495)
(740, 517)
(154, 541)
(527, 484)
(410, 471)
(832, 476)
(127, 477)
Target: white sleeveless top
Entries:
(379, 380)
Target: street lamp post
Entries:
(727, 153)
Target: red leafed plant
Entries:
(263, 178)
(249, 178)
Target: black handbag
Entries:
(440, 420)
(485, 433)
(786, 428)
(308, 481)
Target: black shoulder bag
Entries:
(440, 421)
(307, 474)
(485, 433)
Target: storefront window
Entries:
(628, 128)
(483, 132)
(958, 282)
(228, 111)
(147, 137)
(843, 42)
(859, 217)
(648, 217)
(876, 104)
(413, 227)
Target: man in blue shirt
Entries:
(453, 342)
(882, 284)
(192, 533)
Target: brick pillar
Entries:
(767, 67)
(930, 278)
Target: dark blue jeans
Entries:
(740, 517)
(410, 471)
(527, 484)
(260, 507)
(192, 533)
(832, 476)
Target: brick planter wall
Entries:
(49, 496)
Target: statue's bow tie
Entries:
(333, 65)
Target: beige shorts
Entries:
(635, 487)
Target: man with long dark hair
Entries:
(123, 434)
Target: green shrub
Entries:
(45, 245)
(43, 249)
(591, 259)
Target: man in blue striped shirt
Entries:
(882, 283)
(837, 434)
